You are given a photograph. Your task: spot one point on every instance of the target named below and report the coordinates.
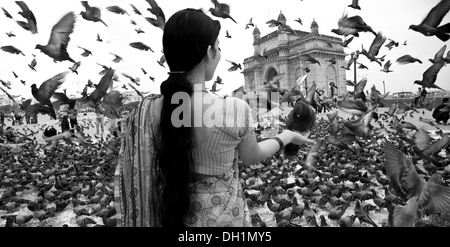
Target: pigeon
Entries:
(11, 49)
(349, 62)
(98, 38)
(141, 46)
(355, 5)
(358, 91)
(362, 66)
(430, 25)
(92, 13)
(234, 66)
(105, 69)
(221, 10)
(250, 23)
(75, 67)
(160, 20)
(63, 99)
(405, 59)
(363, 127)
(381, 58)
(352, 26)
(430, 75)
(116, 9)
(117, 58)
(59, 39)
(139, 31)
(46, 90)
(347, 41)
(439, 56)
(274, 23)
(214, 87)
(425, 148)
(6, 13)
(362, 215)
(309, 58)
(86, 52)
(135, 89)
(391, 44)
(431, 198)
(136, 10)
(6, 84)
(374, 48)
(287, 29)
(134, 80)
(33, 64)
(31, 24)
(386, 67)
(227, 35)
(103, 86)
(311, 159)
(355, 107)
(110, 102)
(15, 75)
(10, 34)
(7, 94)
(299, 21)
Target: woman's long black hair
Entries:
(187, 35)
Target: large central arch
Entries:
(331, 76)
(271, 72)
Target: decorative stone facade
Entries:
(279, 52)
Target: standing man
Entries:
(73, 114)
(423, 95)
(2, 118)
(99, 122)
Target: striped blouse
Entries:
(233, 124)
(215, 155)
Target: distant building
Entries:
(131, 96)
(279, 52)
(4, 100)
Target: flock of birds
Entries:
(56, 49)
(361, 167)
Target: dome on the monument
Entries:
(256, 30)
(281, 17)
(314, 24)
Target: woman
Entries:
(170, 175)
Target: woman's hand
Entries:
(299, 139)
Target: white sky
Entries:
(391, 17)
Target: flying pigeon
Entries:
(430, 75)
(46, 90)
(86, 52)
(160, 20)
(116, 9)
(355, 5)
(141, 46)
(430, 25)
(59, 39)
(374, 48)
(221, 10)
(31, 24)
(92, 13)
(234, 66)
(405, 59)
(11, 49)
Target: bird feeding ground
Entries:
(69, 218)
